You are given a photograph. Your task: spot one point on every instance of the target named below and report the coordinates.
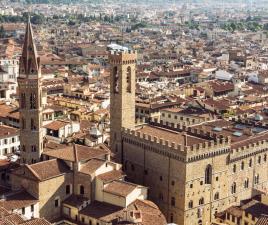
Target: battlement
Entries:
(123, 57)
(249, 122)
(248, 149)
(153, 139)
(189, 130)
(209, 146)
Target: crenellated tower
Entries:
(30, 99)
(122, 94)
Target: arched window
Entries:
(234, 168)
(257, 178)
(82, 190)
(173, 202)
(22, 100)
(116, 80)
(129, 79)
(246, 183)
(250, 163)
(208, 174)
(216, 196)
(23, 123)
(161, 196)
(33, 127)
(171, 218)
(259, 159)
(233, 188)
(242, 165)
(33, 101)
(265, 158)
(201, 201)
(190, 204)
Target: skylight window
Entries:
(237, 134)
(218, 129)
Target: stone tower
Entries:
(30, 95)
(122, 94)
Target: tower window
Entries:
(242, 165)
(56, 203)
(234, 168)
(250, 163)
(129, 79)
(259, 159)
(161, 197)
(257, 179)
(23, 123)
(190, 204)
(33, 148)
(233, 188)
(22, 100)
(216, 196)
(173, 201)
(116, 80)
(33, 127)
(201, 201)
(208, 174)
(246, 183)
(68, 189)
(33, 101)
(82, 190)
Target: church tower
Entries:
(30, 97)
(122, 95)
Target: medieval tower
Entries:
(30, 95)
(122, 91)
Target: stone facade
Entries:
(192, 183)
(30, 94)
(192, 174)
(122, 91)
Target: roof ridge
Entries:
(32, 170)
(75, 153)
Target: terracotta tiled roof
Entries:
(18, 201)
(6, 131)
(48, 169)
(14, 218)
(3, 212)
(263, 220)
(91, 166)
(111, 176)
(75, 200)
(150, 213)
(235, 211)
(102, 211)
(56, 125)
(37, 221)
(120, 188)
(77, 153)
(172, 136)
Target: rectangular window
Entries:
(23, 211)
(56, 203)
(32, 208)
(68, 189)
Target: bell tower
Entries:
(122, 95)
(30, 99)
